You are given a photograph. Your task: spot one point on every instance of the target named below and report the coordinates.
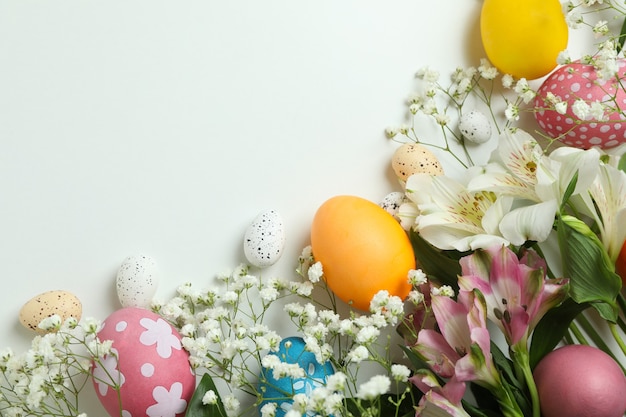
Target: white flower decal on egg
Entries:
(159, 332)
(106, 374)
(168, 402)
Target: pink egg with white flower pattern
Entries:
(571, 83)
(152, 368)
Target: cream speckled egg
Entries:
(264, 239)
(392, 202)
(59, 302)
(412, 158)
(137, 281)
(475, 127)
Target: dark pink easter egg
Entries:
(152, 369)
(576, 81)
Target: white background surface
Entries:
(164, 127)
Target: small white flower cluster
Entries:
(444, 104)
(224, 331)
(46, 379)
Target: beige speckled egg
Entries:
(412, 158)
(62, 303)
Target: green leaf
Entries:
(622, 36)
(443, 266)
(197, 409)
(552, 328)
(622, 161)
(571, 187)
(587, 265)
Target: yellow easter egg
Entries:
(523, 38)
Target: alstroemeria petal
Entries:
(436, 351)
(529, 223)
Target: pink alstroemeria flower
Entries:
(516, 291)
(437, 398)
(462, 347)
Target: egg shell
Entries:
(412, 158)
(137, 281)
(362, 249)
(59, 302)
(264, 239)
(391, 202)
(580, 381)
(575, 81)
(281, 390)
(152, 368)
(475, 127)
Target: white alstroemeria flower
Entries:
(532, 222)
(606, 204)
(451, 217)
(555, 172)
(513, 167)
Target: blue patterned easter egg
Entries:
(281, 391)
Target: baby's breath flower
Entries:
(299, 404)
(428, 74)
(400, 372)
(391, 132)
(563, 58)
(442, 119)
(444, 290)
(596, 110)
(269, 294)
(507, 81)
(336, 381)
(601, 28)
(367, 335)
(374, 388)
(315, 272)
(50, 323)
(574, 19)
(209, 398)
(417, 277)
(581, 109)
(512, 112)
(357, 354)
(486, 70)
(231, 404)
(416, 297)
(269, 409)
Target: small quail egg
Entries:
(412, 158)
(59, 302)
(264, 239)
(475, 127)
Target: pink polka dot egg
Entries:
(151, 368)
(577, 81)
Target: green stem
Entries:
(522, 358)
(578, 334)
(618, 338)
(593, 334)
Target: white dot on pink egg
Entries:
(147, 370)
(121, 326)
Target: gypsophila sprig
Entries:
(47, 378)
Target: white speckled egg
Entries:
(137, 281)
(281, 390)
(59, 302)
(264, 239)
(575, 82)
(392, 202)
(475, 127)
(150, 365)
(412, 158)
